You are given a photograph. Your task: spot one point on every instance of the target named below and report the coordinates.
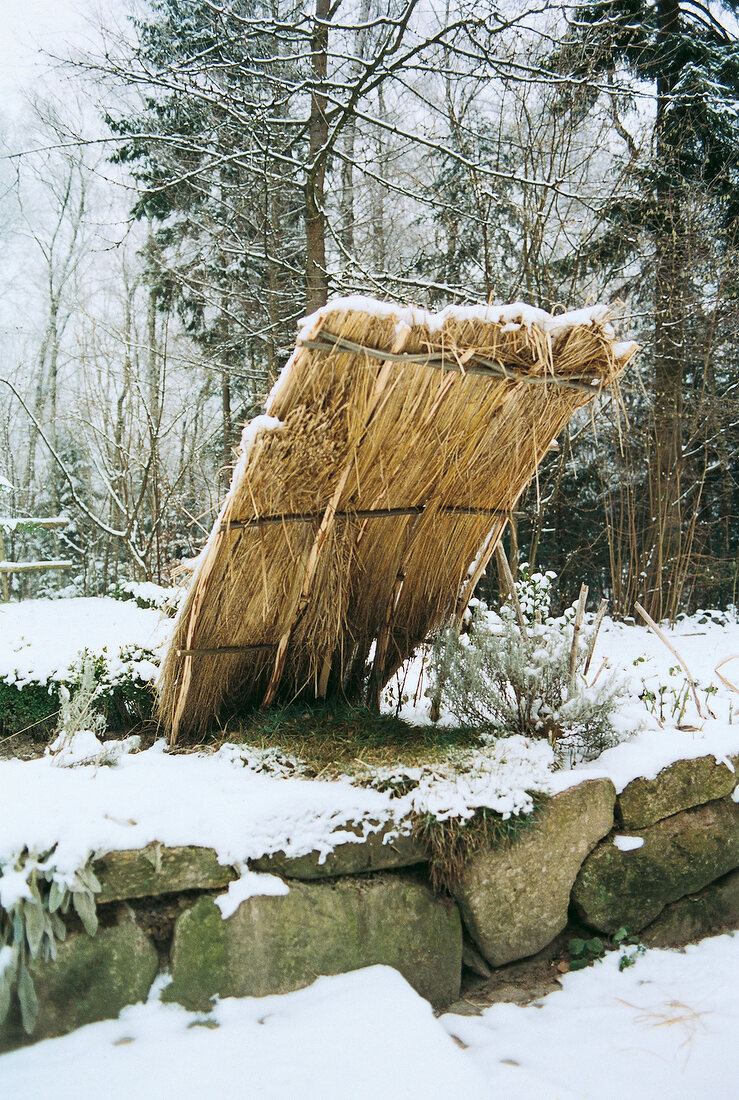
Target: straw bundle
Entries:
(397, 444)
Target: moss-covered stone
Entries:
(680, 786)
(715, 909)
(198, 957)
(92, 978)
(374, 852)
(514, 897)
(680, 855)
(147, 872)
(277, 944)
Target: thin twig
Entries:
(728, 683)
(598, 620)
(577, 627)
(505, 569)
(663, 638)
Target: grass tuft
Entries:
(337, 739)
(452, 843)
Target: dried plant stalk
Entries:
(577, 627)
(602, 608)
(666, 641)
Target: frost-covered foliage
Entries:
(82, 725)
(78, 711)
(509, 680)
(122, 690)
(122, 679)
(146, 594)
(534, 591)
(33, 896)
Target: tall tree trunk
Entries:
(55, 485)
(346, 208)
(316, 277)
(346, 205)
(153, 371)
(226, 418)
(664, 536)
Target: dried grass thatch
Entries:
(398, 443)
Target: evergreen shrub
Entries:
(123, 691)
(509, 680)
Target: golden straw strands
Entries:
(474, 365)
(433, 427)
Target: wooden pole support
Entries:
(216, 650)
(362, 513)
(33, 566)
(577, 627)
(3, 576)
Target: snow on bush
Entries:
(513, 680)
(147, 595)
(46, 644)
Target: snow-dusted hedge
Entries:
(43, 645)
(147, 595)
(123, 689)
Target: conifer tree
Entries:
(679, 54)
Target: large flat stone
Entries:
(715, 909)
(148, 872)
(680, 786)
(92, 978)
(277, 944)
(379, 851)
(680, 855)
(514, 897)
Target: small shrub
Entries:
(78, 714)
(534, 591)
(631, 948)
(123, 682)
(123, 691)
(508, 680)
(584, 952)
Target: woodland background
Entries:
(208, 171)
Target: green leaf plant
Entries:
(34, 897)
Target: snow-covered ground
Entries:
(660, 1028)
(244, 804)
(40, 639)
(665, 1027)
(222, 801)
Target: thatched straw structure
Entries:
(396, 446)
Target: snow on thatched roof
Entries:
(395, 446)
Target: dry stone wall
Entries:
(675, 879)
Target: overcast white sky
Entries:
(29, 27)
